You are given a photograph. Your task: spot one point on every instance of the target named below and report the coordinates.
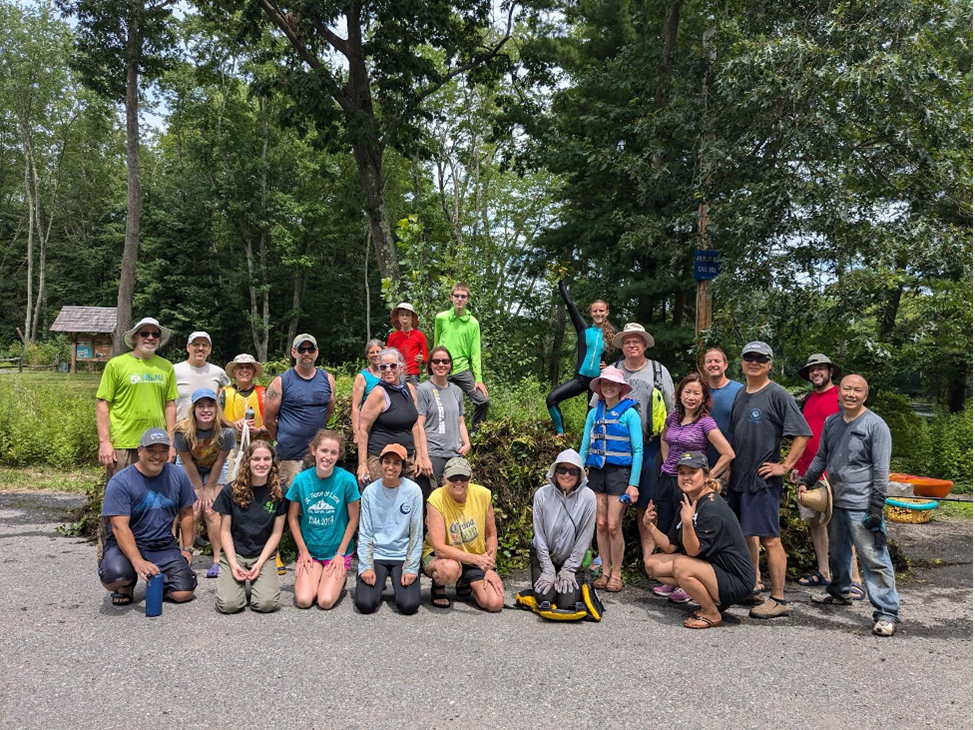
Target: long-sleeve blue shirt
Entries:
(391, 525)
(630, 419)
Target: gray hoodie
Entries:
(563, 523)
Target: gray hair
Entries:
(399, 359)
(373, 343)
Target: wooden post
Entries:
(23, 350)
(74, 353)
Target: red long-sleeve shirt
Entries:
(409, 343)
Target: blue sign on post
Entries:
(707, 264)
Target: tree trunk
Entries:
(42, 238)
(669, 36)
(30, 240)
(555, 364)
(133, 215)
(260, 319)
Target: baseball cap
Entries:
(201, 393)
(695, 459)
(153, 436)
(757, 346)
(397, 449)
(194, 335)
(304, 338)
(457, 467)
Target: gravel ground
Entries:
(73, 660)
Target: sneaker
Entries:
(277, 561)
(214, 571)
(770, 609)
(883, 627)
(663, 591)
(679, 596)
(828, 599)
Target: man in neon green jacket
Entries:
(458, 331)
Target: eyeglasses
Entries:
(306, 349)
(384, 366)
(458, 478)
(146, 334)
(461, 296)
(439, 361)
(755, 357)
(567, 470)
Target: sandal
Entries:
(812, 580)
(439, 593)
(463, 590)
(121, 599)
(601, 582)
(857, 592)
(615, 584)
(697, 621)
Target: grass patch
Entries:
(35, 478)
(953, 511)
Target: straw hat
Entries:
(819, 499)
(632, 328)
(244, 359)
(394, 315)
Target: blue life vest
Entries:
(609, 440)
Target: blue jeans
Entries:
(846, 530)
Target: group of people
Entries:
(701, 462)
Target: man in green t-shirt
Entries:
(458, 331)
(137, 392)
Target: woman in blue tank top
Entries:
(364, 382)
(591, 342)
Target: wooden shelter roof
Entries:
(85, 319)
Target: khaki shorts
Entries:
(288, 469)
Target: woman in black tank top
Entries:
(388, 416)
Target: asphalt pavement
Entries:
(70, 659)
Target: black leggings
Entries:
(577, 385)
(565, 601)
(368, 597)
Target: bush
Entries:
(46, 423)
(943, 445)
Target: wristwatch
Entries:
(191, 550)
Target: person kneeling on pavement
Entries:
(564, 519)
(141, 502)
(705, 552)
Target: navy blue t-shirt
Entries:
(151, 504)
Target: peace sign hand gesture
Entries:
(687, 509)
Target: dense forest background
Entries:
(303, 166)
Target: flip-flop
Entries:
(689, 622)
(813, 580)
(857, 592)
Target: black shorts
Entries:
(611, 479)
(758, 512)
(469, 574)
(177, 573)
(731, 588)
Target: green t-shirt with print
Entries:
(137, 392)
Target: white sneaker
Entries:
(883, 627)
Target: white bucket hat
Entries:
(166, 332)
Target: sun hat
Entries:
(201, 393)
(818, 358)
(820, 500)
(457, 467)
(153, 436)
(394, 315)
(244, 359)
(757, 346)
(194, 335)
(166, 332)
(397, 449)
(304, 337)
(695, 459)
(610, 374)
(632, 328)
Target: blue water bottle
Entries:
(154, 595)
(625, 499)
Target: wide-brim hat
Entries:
(406, 306)
(166, 332)
(819, 499)
(632, 328)
(610, 374)
(244, 359)
(819, 358)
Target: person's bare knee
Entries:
(304, 601)
(601, 523)
(179, 596)
(446, 571)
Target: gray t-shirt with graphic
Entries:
(441, 409)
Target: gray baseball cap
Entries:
(758, 347)
(153, 436)
(695, 459)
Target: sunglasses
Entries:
(384, 366)
(306, 349)
(752, 357)
(567, 470)
(461, 296)
(146, 334)
(458, 478)
(439, 361)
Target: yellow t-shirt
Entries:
(464, 522)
